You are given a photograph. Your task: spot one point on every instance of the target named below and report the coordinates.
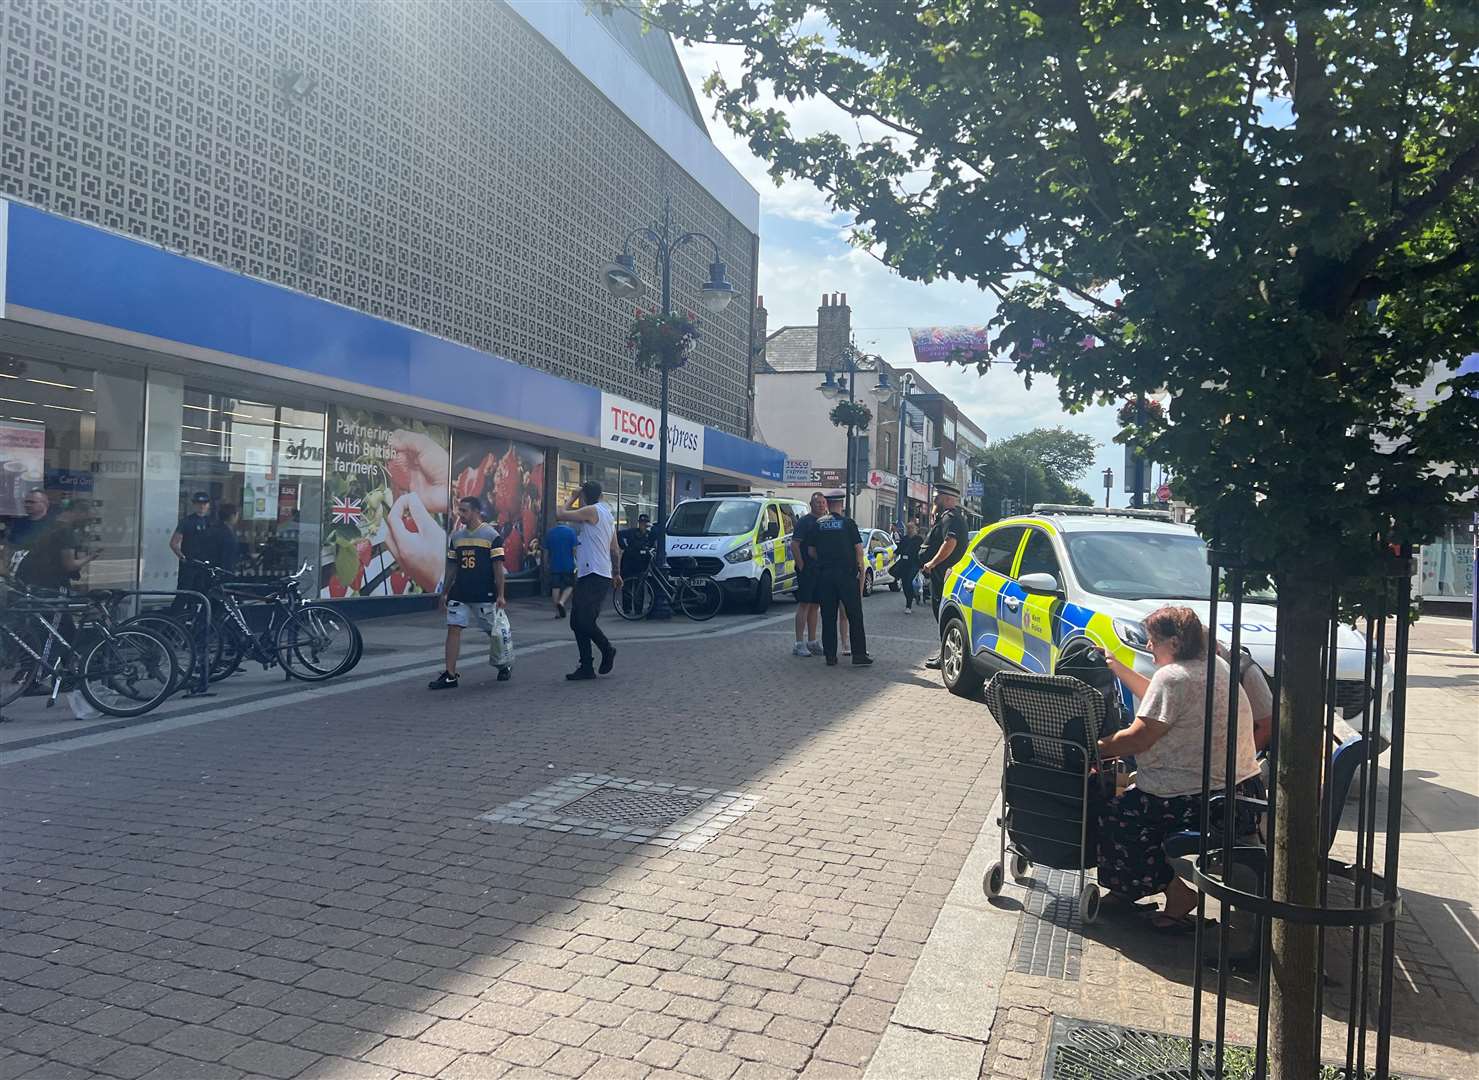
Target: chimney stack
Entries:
(834, 331)
(760, 328)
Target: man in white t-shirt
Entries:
(596, 561)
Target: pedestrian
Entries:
(597, 562)
(808, 605)
(840, 568)
(907, 563)
(57, 554)
(947, 542)
(636, 547)
(23, 532)
(227, 547)
(473, 585)
(559, 549)
(194, 540)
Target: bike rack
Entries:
(202, 629)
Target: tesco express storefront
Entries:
(132, 378)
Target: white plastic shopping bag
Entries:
(501, 642)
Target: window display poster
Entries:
(509, 477)
(22, 465)
(385, 505)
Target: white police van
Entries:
(741, 541)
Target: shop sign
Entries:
(797, 471)
(828, 478)
(919, 491)
(879, 480)
(630, 427)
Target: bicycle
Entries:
(310, 642)
(73, 642)
(698, 597)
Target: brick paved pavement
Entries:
(308, 891)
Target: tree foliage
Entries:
(1035, 466)
(1265, 208)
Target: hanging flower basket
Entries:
(1127, 414)
(661, 342)
(851, 414)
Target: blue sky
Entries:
(804, 253)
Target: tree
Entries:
(1035, 466)
(1267, 208)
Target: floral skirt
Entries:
(1134, 825)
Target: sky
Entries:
(804, 253)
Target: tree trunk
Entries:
(1304, 611)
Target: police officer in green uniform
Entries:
(840, 568)
(946, 544)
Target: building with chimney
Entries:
(791, 414)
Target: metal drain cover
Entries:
(679, 816)
(622, 806)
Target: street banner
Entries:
(22, 464)
(938, 344)
(385, 505)
(509, 477)
(797, 471)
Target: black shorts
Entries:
(561, 581)
(806, 586)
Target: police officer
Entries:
(839, 548)
(946, 544)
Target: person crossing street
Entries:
(946, 543)
(840, 568)
(597, 566)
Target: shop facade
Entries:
(132, 379)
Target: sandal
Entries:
(1162, 923)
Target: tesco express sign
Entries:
(632, 428)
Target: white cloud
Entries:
(804, 254)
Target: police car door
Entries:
(785, 565)
(767, 541)
(998, 597)
(1039, 611)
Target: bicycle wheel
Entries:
(128, 672)
(175, 634)
(634, 599)
(316, 643)
(225, 649)
(359, 649)
(700, 598)
(18, 667)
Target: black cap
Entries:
(200, 496)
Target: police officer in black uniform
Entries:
(946, 544)
(839, 548)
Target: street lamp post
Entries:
(834, 385)
(906, 387)
(621, 280)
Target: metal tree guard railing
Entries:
(1222, 869)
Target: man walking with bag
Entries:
(473, 586)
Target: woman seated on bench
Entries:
(1166, 741)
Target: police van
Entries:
(741, 541)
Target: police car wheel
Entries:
(868, 583)
(959, 675)
(760, 602)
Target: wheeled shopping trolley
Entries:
(1051, 725)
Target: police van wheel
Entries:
(760, 602)
(959, 675)
(868, 583)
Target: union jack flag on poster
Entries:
(347, 512)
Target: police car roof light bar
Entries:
(1100, 511)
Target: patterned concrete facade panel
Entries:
(432, 162)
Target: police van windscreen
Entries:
(1140, 566)
(716, 517)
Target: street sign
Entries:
(1163, 493)
(917, 459)
(797, 471)
(975, 489)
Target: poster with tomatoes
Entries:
(509, 477)
(385, 505)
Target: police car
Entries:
(741, 541)
(878, 547)
(1029, 585)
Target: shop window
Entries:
(71, 448)
(260, 463)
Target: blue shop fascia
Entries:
(133, 378)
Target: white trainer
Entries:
(815, 647)
(801, 650)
